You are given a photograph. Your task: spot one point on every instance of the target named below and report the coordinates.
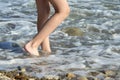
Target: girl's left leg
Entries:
(43, 10)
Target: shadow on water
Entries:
(12, 46)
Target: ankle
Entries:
(32, 45)
(46, 51)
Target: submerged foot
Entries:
(31, 50)
(45, 53)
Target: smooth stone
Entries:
(110, 73)
(94, 73)
(73, 31)
(31, 79)
(100, 76)
(109, 78)
(51, 77)
(83, 78)
(92, 78)
(70, 75)
(3, 77)
(14, 47)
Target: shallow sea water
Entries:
(98, 48)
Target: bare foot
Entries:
(31, 50)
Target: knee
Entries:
(63, 12)
(67, 11)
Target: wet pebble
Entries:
(3, 77)
(100, 76)
(93, 73)
(51, 77)
(83, 78)
(109, 78)
(110, 73)
(70, 75)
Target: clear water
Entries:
(97, 49)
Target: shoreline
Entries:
(20, 74)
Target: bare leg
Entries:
(43, 10)
(61, 12)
